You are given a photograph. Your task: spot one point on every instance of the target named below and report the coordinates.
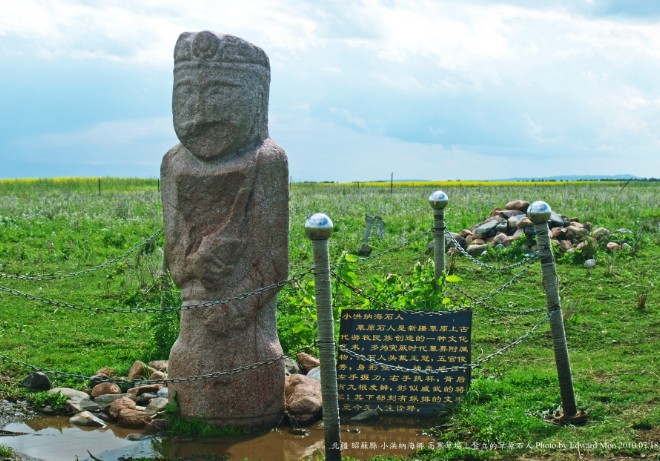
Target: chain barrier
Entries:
(84, 271)
(529, 258)
(404, 244)
(437, 371)
(146, 382)
(152, 310)
(476, 301)
(378, 302)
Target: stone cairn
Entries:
(503, 227)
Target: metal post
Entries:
(319, 229)
(438, 201)
(539, 213)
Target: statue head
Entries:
(220, 97)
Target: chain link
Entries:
(527, 260)
(84, 271)
(146, 382)
(482, 301)
(373, 300)
(473, 365)
(152, 310)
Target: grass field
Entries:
(611, 312)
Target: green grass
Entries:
(611, 311)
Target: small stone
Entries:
(106, 371)
(139, 369)
(590, 264)
(556, 220)
(68, 392)
(465, 233)
(486, 230)
(518, 233)
(155, 406)
(130, 417)
(315, 374)
(157, 376)
(105, 400)
(303, 401)
(476, 250)
(76, 405)
(558, 233)
(574, 232)
(163, 392)
(145, 398)
(85, 418)
(500, 238)
(118, 405)
(36, 381)
(160, 365)
(105, 388)
(508, 240)
(136, 437)
(626, 246)
(97, 379)
(613, 246)
(478, 242)
(520, 205)
(524, 223)
(460, 240)
(565, 245)
(600, 233)
(307, 362)
(291, 366)
(149, 388)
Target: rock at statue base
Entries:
(304, 401)
(37, 381)
(225, 211)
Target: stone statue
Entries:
(226, 221)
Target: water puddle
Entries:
(55, 439)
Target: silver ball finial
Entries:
(539, 212)
(319, 227)
(438, 200)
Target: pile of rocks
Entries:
(103, 401)
(302, 389)
(503, 227)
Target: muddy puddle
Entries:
(55, 439)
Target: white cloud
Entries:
(474, 79)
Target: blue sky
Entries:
(470, 89)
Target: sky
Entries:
(360, 89)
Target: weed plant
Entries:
(62, 226)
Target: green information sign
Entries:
(389, 360)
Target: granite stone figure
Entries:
(226, 224)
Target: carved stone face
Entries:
(216, 112)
